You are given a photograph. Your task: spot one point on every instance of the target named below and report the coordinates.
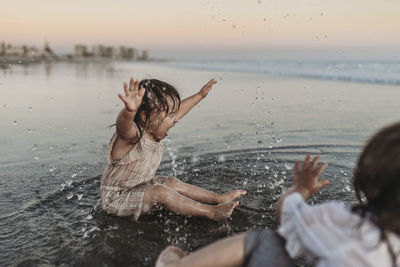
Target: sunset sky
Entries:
(208, 25)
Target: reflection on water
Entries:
(246, 134)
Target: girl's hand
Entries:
(206, 88)
(305, 179)
(133, 98)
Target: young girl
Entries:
(330, 234)
(128, 186)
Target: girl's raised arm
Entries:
(126, 128)
(305, 181)
(188, 103)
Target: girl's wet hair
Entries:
(376, 181)
(155, 99)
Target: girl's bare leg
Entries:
(201, 194)
(181, 204)
(225, 252)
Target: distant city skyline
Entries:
(204, 25)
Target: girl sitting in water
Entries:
(331, 234)
(128, 186)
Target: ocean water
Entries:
(360, 71)
(246, 134)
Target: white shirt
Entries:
(332, 235)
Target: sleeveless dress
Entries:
(125, 180)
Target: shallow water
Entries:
(246, 134)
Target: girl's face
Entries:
(160, 123)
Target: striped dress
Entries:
(125, 180)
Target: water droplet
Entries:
(30, 108)
(279, 140)
(15, 123)
(79, 196)
(195, 159)
(70, 196)
(74, 175)
(267, 167)
(89, 217)
(288, 167)
(93, 229)
(36, 157)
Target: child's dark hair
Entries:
(376, 181)
(155, 99)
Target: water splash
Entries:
(172, 155)
(288, 167)
(221, 158)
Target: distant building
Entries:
(3, 48)
(145, 55)
(80, 50)
(104, 51)
(110, 52)
(127, 53)
(32, 52)
(14, 51)
(25, 54)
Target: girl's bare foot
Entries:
(223, 211)
(170, 256)
(230, 196)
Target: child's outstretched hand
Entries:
(133, 97)
(207, 87)
(306, 178)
